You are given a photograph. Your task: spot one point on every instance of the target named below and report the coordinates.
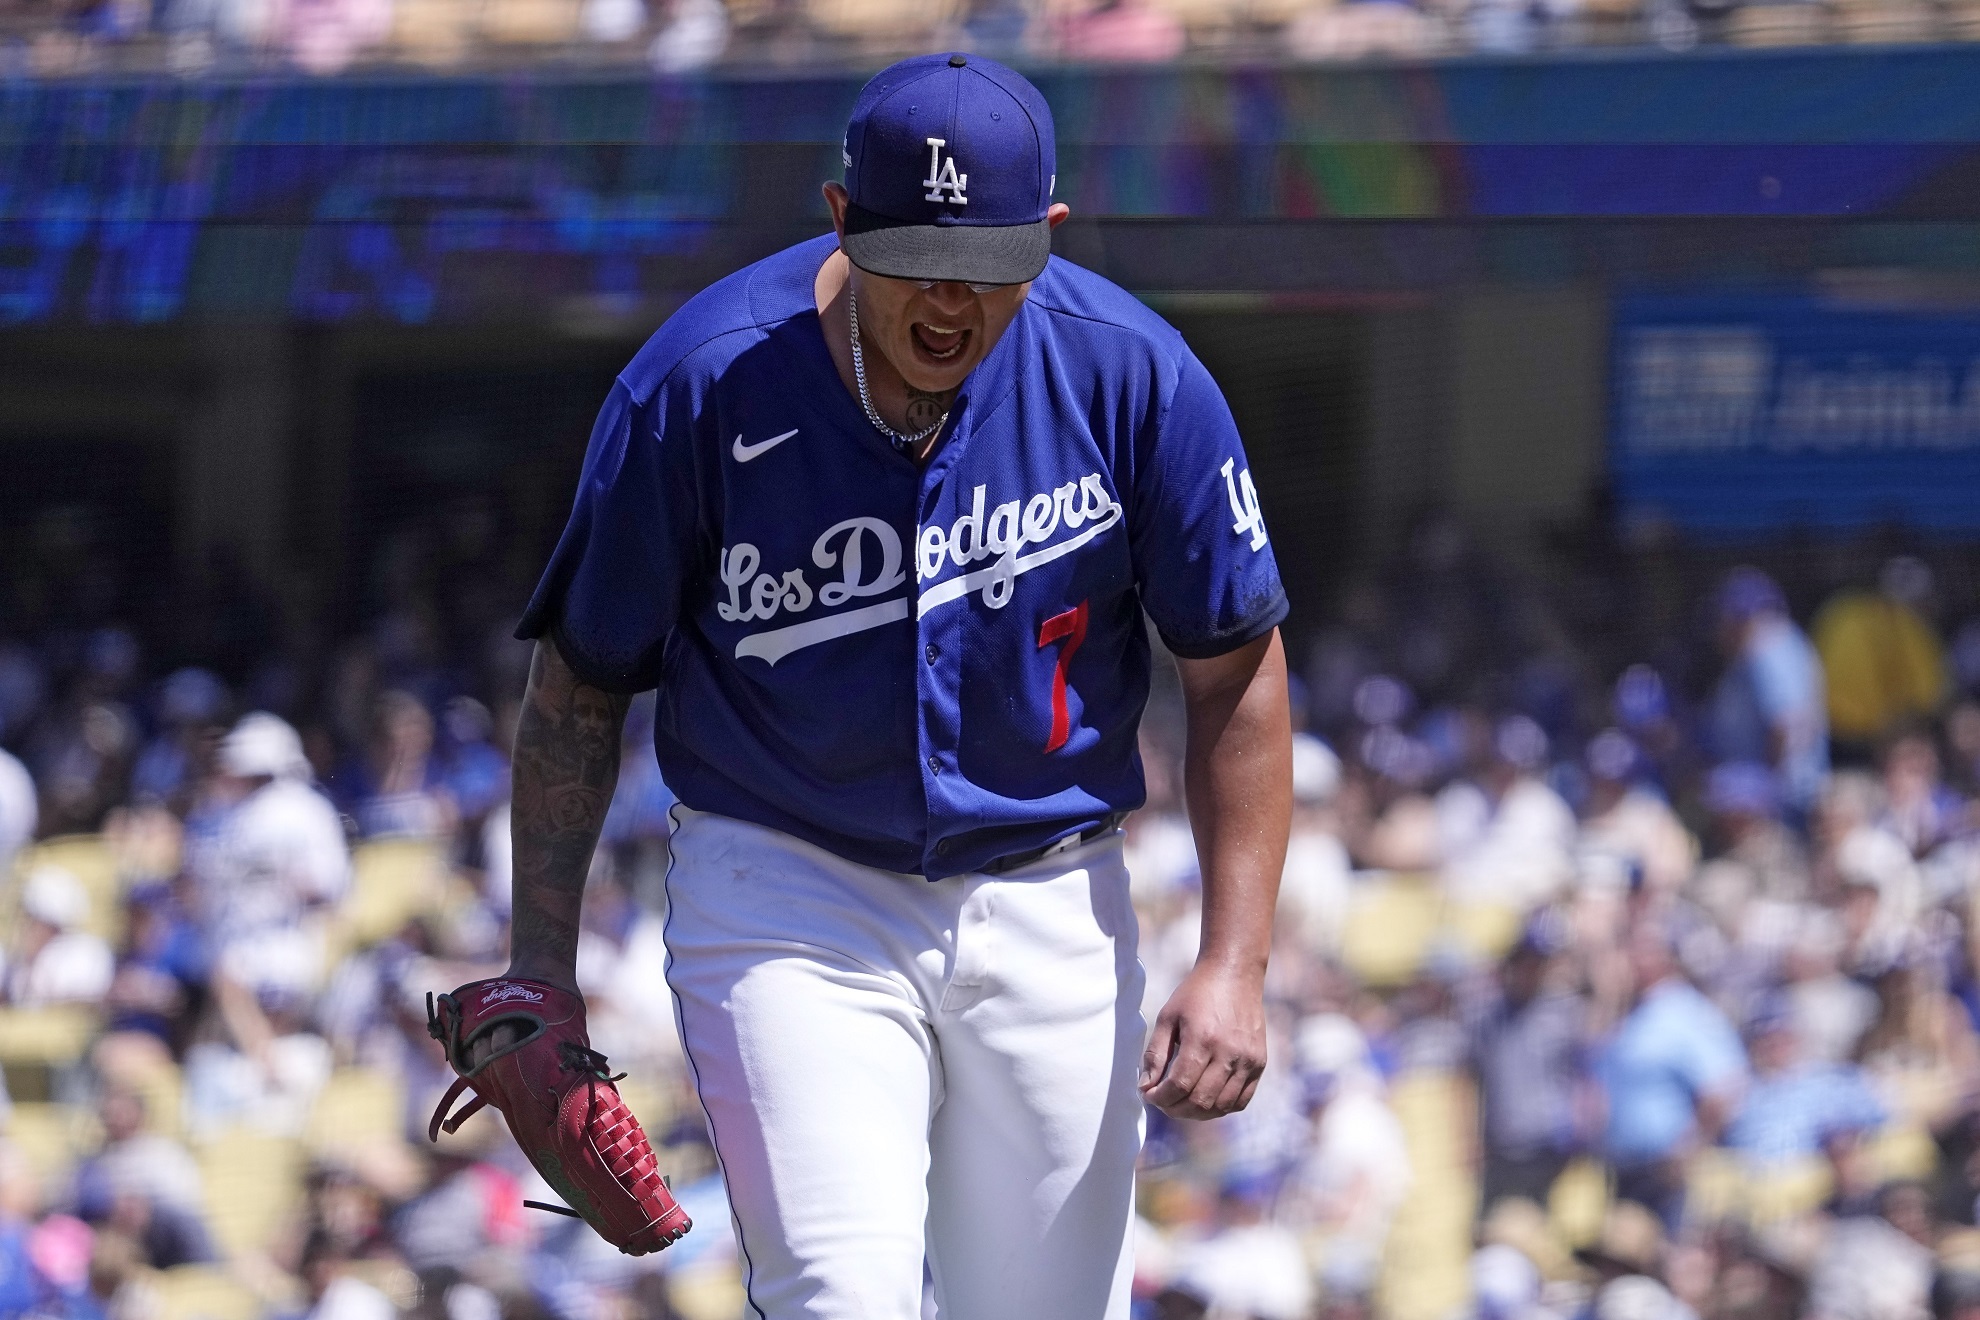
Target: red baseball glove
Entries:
(561, 1105)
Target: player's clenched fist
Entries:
(1207, 1051)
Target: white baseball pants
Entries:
(896, 1070)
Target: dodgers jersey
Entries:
(918, 669)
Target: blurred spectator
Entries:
(53, 959)
(1743, 798)
(192, 709)
(1770, 706)
(1867, 871)
(278, 859)
(1356, 29)
(1798, 1107)
(1920, 809)
(1346, 1188)
(1872, 1269)
(1247, 1265)
(1529, 1048)
(1920, 1052)
(1625, 818)
(1126, 31)
(1883, 660)
(143, 1185)
(1828, 1010)
(18, 810)
(160, 978)
(694, 37)
(1628, 1258)
(1316, 887)
(1671, 1075)
(398, 787)
(621, 967)
(476, 774)
(1507, 839)
(335, 1292)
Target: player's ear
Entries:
(836, 197)
(1055, 214)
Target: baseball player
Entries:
(879, 517)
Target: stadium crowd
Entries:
(190, 37)
(1627, 962)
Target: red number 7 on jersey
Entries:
(1069, 628)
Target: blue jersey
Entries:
(918, 669)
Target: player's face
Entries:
(935, 336)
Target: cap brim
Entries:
(972, 254)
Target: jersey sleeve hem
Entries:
(534, 628)
(1230, 639)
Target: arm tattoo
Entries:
(566, 766)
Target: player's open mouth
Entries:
(938, 342)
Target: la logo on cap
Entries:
(942, 177)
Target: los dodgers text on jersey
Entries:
(918, 668)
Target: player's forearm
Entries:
(1238, 783)
(566, 766)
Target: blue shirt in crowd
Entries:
(1792, 1114)
(1673, 1049)
(1776, 686)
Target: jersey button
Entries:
(934, 653)
(941, 847)
(934, 765)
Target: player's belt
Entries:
(1013, 861)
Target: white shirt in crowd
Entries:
(1519, 854)
(74, 967)
(280, 852)
(19, 812)
(1251, 1270)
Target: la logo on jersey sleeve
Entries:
(1244, 505)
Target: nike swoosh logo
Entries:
(745, 452)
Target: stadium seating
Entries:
(203, 1292)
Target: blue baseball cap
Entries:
(950, 164)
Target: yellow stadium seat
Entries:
(710, 1292)
(53, 1036)
(529, 22)
(392, 881)
(357, 1107)
(201, 1292)
(1904, 1153)
(1486, 930)
(1423, 1274)
(1389, 930)
(1793, 24)
(252, 1183)
(1716, 1188)
(434, 32)
(1578, 1202)
(52, 1138)
(1789, 1192)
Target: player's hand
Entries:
(1207, 1051)
(506, 1034)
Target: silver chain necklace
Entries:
(901, 442)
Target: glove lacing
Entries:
(584, 1059)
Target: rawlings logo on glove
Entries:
(560, 1104)
(501, 990)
